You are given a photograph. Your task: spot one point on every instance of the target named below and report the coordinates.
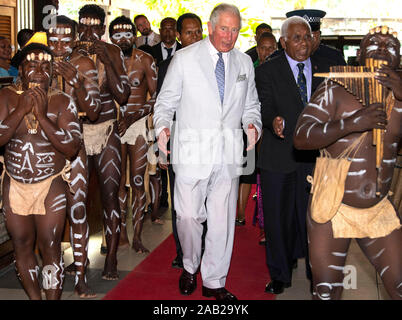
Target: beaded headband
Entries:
(123, 26)
(90, 21)
(61, 30)
(40, 56)
(384, 30)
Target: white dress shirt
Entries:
(307, 72)
(215, 57)
(164, 51)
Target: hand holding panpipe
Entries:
(360, 82)
(88, 46)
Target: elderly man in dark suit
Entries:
(285, 84)
(313, 17)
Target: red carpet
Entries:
(155, 279)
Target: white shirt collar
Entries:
(164, 51)
(174, 46)
(214, 54)
(307, 71)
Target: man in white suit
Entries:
(210, 85)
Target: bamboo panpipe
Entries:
(87, 45)
(60, 80)
(360, 82)
(30, 86)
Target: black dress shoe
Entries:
(177, 263)
(276, 287)
(187, 283)
(218, 294)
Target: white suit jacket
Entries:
(207, 132)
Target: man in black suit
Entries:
(162, 51)
(189, 31)
(285, 84)
(314, 17)
(168, 45)
(261, 28)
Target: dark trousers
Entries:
(164, 184)
(179, 252)
(285, 200)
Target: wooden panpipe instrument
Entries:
(30, 86)
(87, 45)
(360, 82)
(60, 81)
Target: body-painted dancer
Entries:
(141, 70)
(334, 119)
(101, 138)
(40, 131)
(76, 75)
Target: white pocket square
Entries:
(241, 77)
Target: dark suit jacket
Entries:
(157, 52)
(252, 52)
(280, 96)
(334, 55)
(163, 67)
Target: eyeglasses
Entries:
(298, 38)
(119, 35)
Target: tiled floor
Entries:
(128, 259)
(10, 289)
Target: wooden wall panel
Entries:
(8, 23)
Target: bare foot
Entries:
(111, 276)
(139, 247)
(158, 221)
(83, 291)
(110, 270)
(123, 242)
(70, 269)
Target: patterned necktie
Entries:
(169, 51)
(301, 83)
(220, 75)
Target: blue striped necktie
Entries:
(220, 75)
(301, 83)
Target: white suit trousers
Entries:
(213, 199)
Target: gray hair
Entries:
(292, 20)
(221, 8)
